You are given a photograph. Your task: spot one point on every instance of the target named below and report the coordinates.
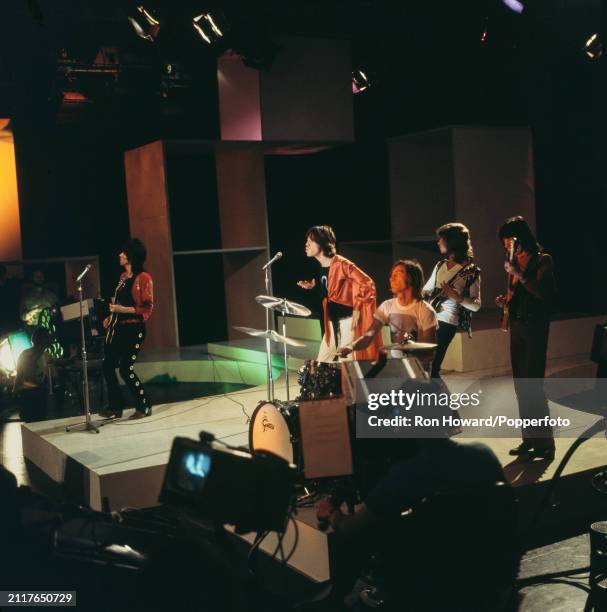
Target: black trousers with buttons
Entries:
(122, 353)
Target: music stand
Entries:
(88, 424)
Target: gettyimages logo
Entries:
(407, 400)
(489, 407)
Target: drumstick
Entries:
(351, 344)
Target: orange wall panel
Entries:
(10, 226)
(149, 221)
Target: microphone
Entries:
(275, 258)
(82, 274)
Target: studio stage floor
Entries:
(123, 465)
(125, 462)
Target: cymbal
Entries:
(270, 333)
(410, 347)
(283, 306)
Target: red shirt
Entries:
(143, 296)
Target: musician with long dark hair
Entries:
(347, 294)
(132, 307)
(407, 315)
(530, 304)
(455, 285)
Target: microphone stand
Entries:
(269, 376)
(89, 424)
(286, 356)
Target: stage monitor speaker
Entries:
(364, 377)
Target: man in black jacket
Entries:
(532, 300)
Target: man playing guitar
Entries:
(125, 331)
(454, 288)
(531, 300)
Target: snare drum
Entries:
(274, 427)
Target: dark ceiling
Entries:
(428, 67)
(426, 60)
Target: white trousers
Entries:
(327, 352)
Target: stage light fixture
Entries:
(11, 347)
(593, 47)
(360, 81)
(514, 5)
(145, 24)
(485, 31)
(209, 27)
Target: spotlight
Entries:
(514, 5)
(360, 81)
(209, 27)
(145, 24)
(485, 31)
(11, 347)
(594, 46)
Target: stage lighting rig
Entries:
(250, 42)
(145, 23)
(253, 492)
(360, 81)
(514, 5)
(211, 27)
(593, 47)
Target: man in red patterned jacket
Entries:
(131, 308)
(347, 294)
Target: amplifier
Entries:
(364, 377)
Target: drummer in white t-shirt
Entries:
(407, 314)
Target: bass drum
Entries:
(274, 427)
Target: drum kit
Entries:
(274, 424)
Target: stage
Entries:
(123, 465)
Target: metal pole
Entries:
(85, 369)
(284, 333)
(89, 424)
(270, 378)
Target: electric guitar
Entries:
(113, 316)
(438, 296)
(509, 290)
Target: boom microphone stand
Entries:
(284, 346)
(89, 424)
(270, 378)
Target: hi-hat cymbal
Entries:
(410, 347)
(283, 306)
(269, 333)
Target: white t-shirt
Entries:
(414, 319)
(449, 311)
